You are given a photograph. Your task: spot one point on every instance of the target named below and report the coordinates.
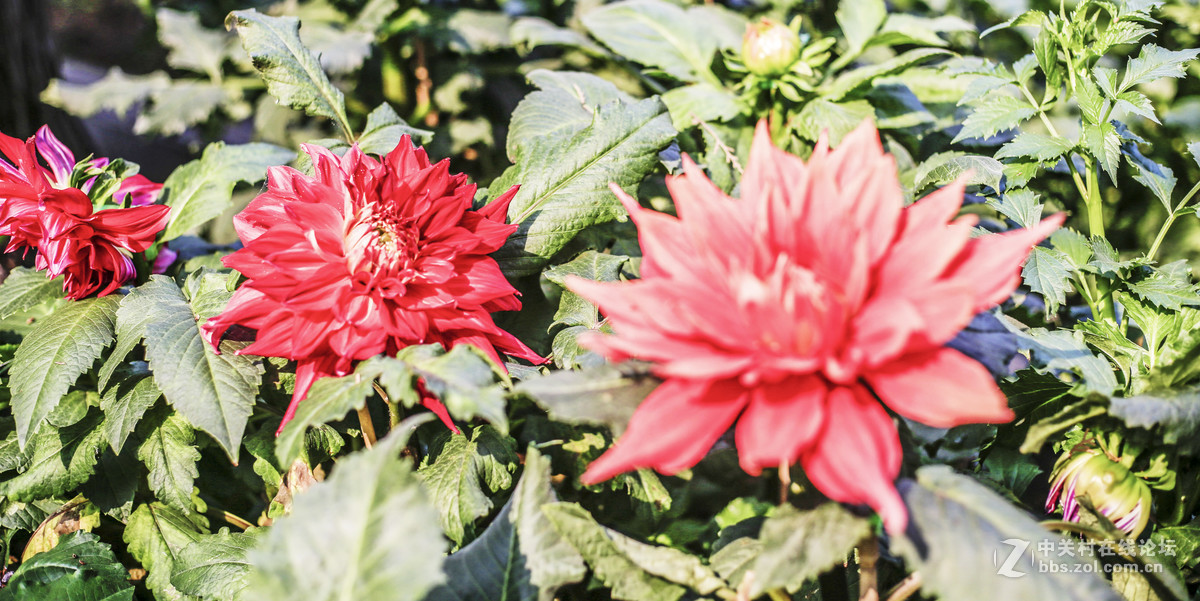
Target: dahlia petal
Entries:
(857, 457)
(992, 263)
(58, 157)
(780, 421)
(440, 411)
(941, 388)
(133, 229)
(672, 429)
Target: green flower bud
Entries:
(1115, 492)
(770, 48)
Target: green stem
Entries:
(1054, 132)
(1162, 232)
(1095, 209)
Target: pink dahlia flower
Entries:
(39, 209)
(796, 309)
(368, 257)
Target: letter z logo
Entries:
(1018, 549)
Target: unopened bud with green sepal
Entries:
(770, 48)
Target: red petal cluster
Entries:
(795, 309)
(38, 210)
(368, 257)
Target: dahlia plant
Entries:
(884, 304)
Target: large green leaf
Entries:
(851, 81)
(156, 534)
(563, 105)
(835, 119)
(1154, 62)
(328, 400)
(462, 474)
(80, 568)
(62, 346)
(634, 571)
(25, 288)
(292, 73)
(995, 113)
(1048, 273)
(682, 42)
(214, 392)
(167, 451)
(200, 190)
(124, 403)
(520, 556)
(1036, 146)
(967, 542)
(605, 395)
(800, 545)
(565, 178)
(1175, 416)
(215, 566)
(55, 460)
(368, 533)
(192, 46)
(945, 167)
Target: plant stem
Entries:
(906, 588)
(1162, 232)
(868, 581)
(785, 482)
(1054, 132)
(368, 427)
(778, 594)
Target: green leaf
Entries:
(681, 42)
(965, 535)
(1154, 62)
(1092, 103)
(1065, 350)
(851, 81)
(385, 128)
(80, 568)
(25, 289)
(565, 179)
(564, 105)
(292, 74)
(902, 28)
(367, 533)
(60, 348)
(156, 534)
(1105, 259)
(859, 20)
(574, 310)
(1102, 142)
(1048, 273)
(1173, 415)
(945, 167)
(1194, 150)
(190, 45)
(182, 104)
(169, 454)
(801, 545)
(700, 102)
(116, 91)
(1160, 179)
(214, 392)
(463, 473)
(995, 113)
(1029, 17)
(463, 379)
(1021, 206)
(1037, 146)
(215, 566)
(1136, 103)
(328, 400)
(634, 571)
(56, 460)
(528, 33)
(605, 395)
(1165, 292)
(520, 556)
(834, 119)
(200, 190)
(123, 405)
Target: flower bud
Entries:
(1113, 490)
(770, 48)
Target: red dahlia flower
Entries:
(368, 257)
(795, 309)
(39, 210)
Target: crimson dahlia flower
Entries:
(39, 209)
(795, 309)
(368, 257)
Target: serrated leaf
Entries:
(962, 529)
(1136, 103)
(214, 392)
(463, 379)
(681, 42)
(565, 179)
(1105, 258)
(1102, 141)
(385, 128)
(1173, 415)
(156, 534)
(175, 108)
(1092, 103)
(1065, 350)
(1166, 292)
(1154, 62)
(56, 460)
(200, 190)
(604, 395)
(1024, 68)
(215, 566)
(1021, 206)
(329, 399)
(25, 288)
(1037, 146)
(169, 454)
(994, 114)
(1194, 150)
(945, 167)
(116, 91)
(1029, 17)
(574, 310)
(574, 97)
(835, 119)
(368, 533)
(190, 45)
(801, 545)
(60, 348)
(462, 475)
(700, 102)
(123, 405)
(1018, 173)
(80, 568)
(1160, 179)
(520, 557)
(633, 571)
(1046, 272)
(292, 74)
